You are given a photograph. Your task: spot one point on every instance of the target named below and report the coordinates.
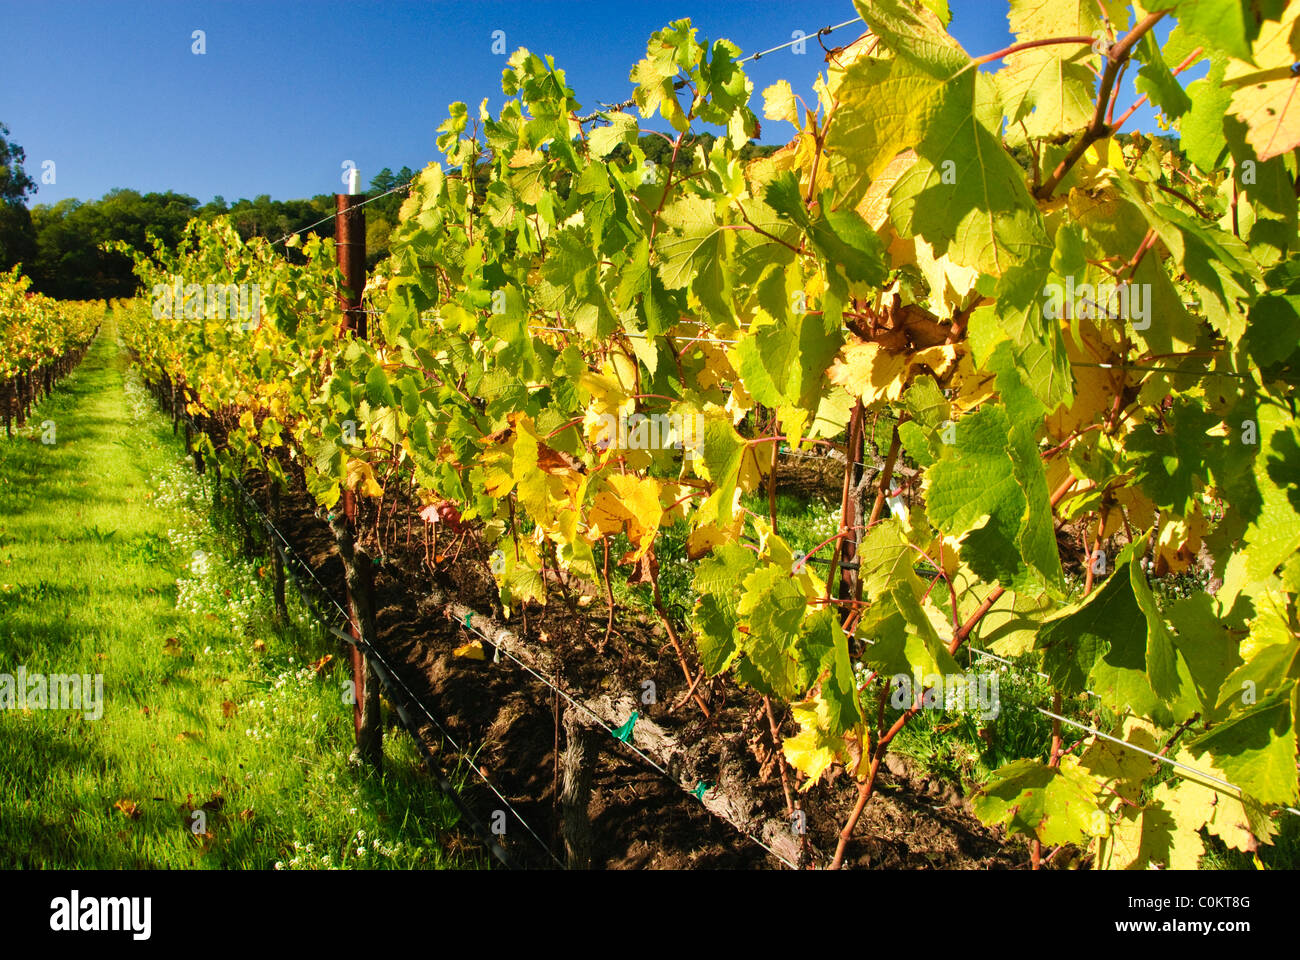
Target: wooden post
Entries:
(847, 549)
(358, 575)
(581, 754)
(350, 250)
(277, 563)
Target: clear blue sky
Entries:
(287, 91)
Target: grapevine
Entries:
(43, 340)
(1076, 346)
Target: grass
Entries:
(221, 743)
(964, 746)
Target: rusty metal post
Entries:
(350, 251)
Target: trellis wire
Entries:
(395, 677)
(610, 730)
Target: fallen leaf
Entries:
(472, 650)
(322, 663)
(228, 708)
(259, 646)
(128, 807)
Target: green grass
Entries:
(964, 747)
(212, 716)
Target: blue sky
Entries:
(288, 91)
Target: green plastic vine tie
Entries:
(467, 616)
(701, 789)
(624, 732)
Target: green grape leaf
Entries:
(716, 636)
(1201, 127)
(1205, 644)
(1256, 748)
(1056, 805)
(1049, 88)
(997, 503)
(881, 111)
(772, 604)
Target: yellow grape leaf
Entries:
(705, 538)
(813, 749)
(807, 151)
(973, 386)
(1179, 540)
(676, 500)
(779, 103)
(545, 478)
(950, 283)
(361, 479)
(630, 505)
(939, 358)
(606, 394)
(739, 402)
(1267, 98)
(717, 370)
(471, 651)
(869, 371)
(1141, 511)
(1196, 802)
(622, 369)
(874, 373)
(1145, 836)
(874, 205)
(874, 208)
(1117, 768)
(1093, 394)
(498, 476)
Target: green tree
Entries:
(69, 260)
(15, 184)
(17, 237)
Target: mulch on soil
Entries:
(508, 719)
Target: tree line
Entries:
(61, 246)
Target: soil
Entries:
(508, 724)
